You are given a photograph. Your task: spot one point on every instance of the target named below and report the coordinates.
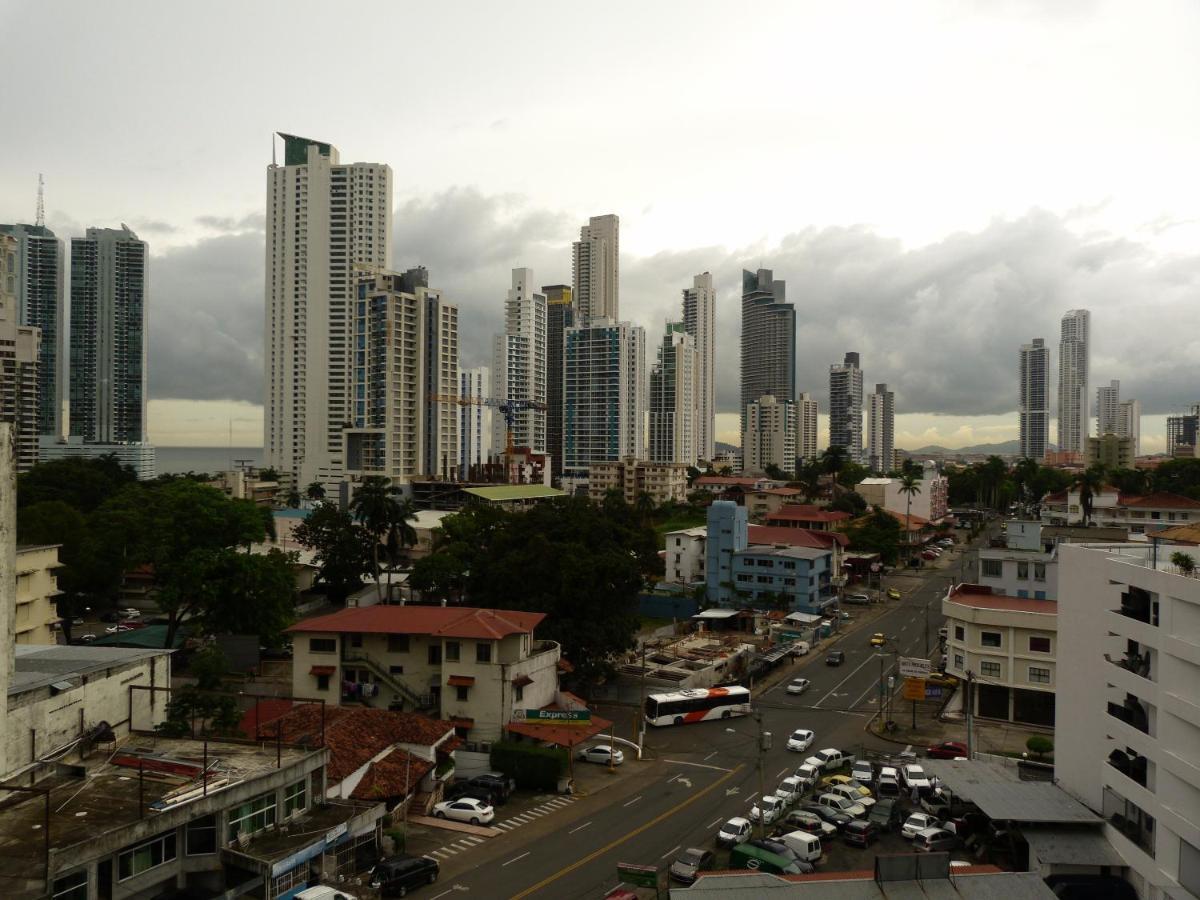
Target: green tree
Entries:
(268, 474)
(851, 474)
(341, 549)
(849, 502)
(1089, 482)
(1184, 562)
(1129, 481)
(82, 484)
(315, 491)
(374, 507)
(257, 596)
(1179, 476)
(293, 499)
(442, 574)
(877, 533)
(808, 478)
(834, 460)
(910, 486)
(1039, 745)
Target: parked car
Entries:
(941, 678)
(465, 809)
(799, 648)
(947, 750)
(745, 856)
(842, 805)
(800, 739)
(893, 593)
(835, 657)
(862, 771)
(466, 789)
(932, 840)
(798, 685)
(790, 790)
(861, 833)
(498, 783)
(827, 760)
(857, 599)
(803, 820)
(602, 754)
(834, 817)
(394, 876)
(86, 638)
(886, 814)
(768, 808)
(803, 844)
(779, 848)
(690, 863)
(735, 831)
(914, 778)
(928, 555)
(916, 823)
(888, 783)
(852, 794)
(807, 774)
(130, 613)
(878, 639)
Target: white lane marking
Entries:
(449, 850)
(633, 801)
(517, 858)
(525, 818)
(439, 853)
(870, 659)
(711, 824)
(579, 828)
(504, 825)
(710, 756)
(672, 850)
(449, 890)
(513, 823)
(684, 762)
(672, 778)
(781, 771)
(535, 813)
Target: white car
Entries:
(601, 754)
(841, 804)
(790, 789)
(808, 775)
(735, 831)
(914, 777)
(853, 794)
(863, 772)
(800, 740)
(131, 613)
(465, 809)
(769, 808)
(798, 685)
(917, 822)
(827, 760)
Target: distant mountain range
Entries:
(722, 447)
(1003, 448)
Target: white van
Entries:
(807, 847)
(799, 648)
(324, 893)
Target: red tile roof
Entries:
(981, 596)
(442, 621)
(396, 775)
(1160, 500)
(260, 713)
(805, 512)
(796, 537)
(781, 492)
(355, 734)
(729, 480)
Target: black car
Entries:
(499, 784)
(394, 876)
(860, 833)
(837, 819)
(779, 848)
(886, 814)
(835, 657)
(690, 863)
(475, 791)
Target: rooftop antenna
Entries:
(272, 148)
(41, 207)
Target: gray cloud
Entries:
(255, 221)
(940, 324)
(153, 226)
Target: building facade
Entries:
(1112, 451)
(806, 427)
(1183, 433)
(663, 482)
(1129, 423)
(328, 225)
(686, 555)
(475, 419)
(1126, 744)
(604, 394)
(769, 435)
(1108, 407)
(37, 595)
(141, 457)
(728, 531)
(881, 429)
(519, 365)
(1074, 350)
(1033, 403)
(846, 407)
(700, 320)
(39, 291)
(19, 348)
(768, 339)
(439, 359)
(596, 269)
(1140, 514)
(560, 315)
(931, 501)
(796, 579)
(673, 407)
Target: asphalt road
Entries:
(698, 776)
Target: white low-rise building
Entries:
(931, 501)
(1127, 734)
(1022, 568)
(685, 555)
(37, 594)
(1141, 514)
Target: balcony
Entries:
(1132, 765)
(1130, 819)
(1136, 604)
(1132, 712)
(1135, 660)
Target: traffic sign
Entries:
(913, 667)
(914, 689)
(638, 876)
(553, 716)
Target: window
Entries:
(1023, 571)
(1039, 676)
(960, 633)
(1039, 595)
(452, 651)
(1039, 571)
(992, 568)
(435, 654)
(356, 640)
(989, 669)
(397, 643)
(483, 652)
(1023, 594)
(200, 836)
(518, 693)
(294, 797)
(145, 857)
(71, 887)
(396, 670)
(322, 645)
(462, 692)
(958, 661)
(1039, 645)
(989, 638)
(252, 816)
(322, 682)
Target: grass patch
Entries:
(678, 523)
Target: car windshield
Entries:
(691, 857)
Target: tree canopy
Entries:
(879, 533)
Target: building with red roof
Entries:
(468, 666)
(1140, 513)
(804, 515)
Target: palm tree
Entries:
(293, 499)
(809, 478)
(1090, 482)
(991, 476)
(834, 460)
(1024, 473)
(374, 507)
(400, 535)
(315, 491)
(909, 485)
(643, 505)
(1183, 562)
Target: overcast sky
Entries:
(937, 182)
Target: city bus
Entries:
(697, 705)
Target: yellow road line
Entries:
(550, 879)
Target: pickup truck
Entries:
(829, 760)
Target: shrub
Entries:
(533, 767)
(1039, 744)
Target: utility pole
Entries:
(969, 704)
(764, 740)
(639, 727)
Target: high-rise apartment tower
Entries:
(806, 427)
(881, 429)
(596, 269)
(846, 407)
(1033, 404)
(699, 317)
(519, 364)
(1129, 423)
(604, 394)
(770, 435)
(475, 420)
(673, 398)
(1073, 400)
(1108, 407)
(560, 315)
(18, 363)
(768, 340)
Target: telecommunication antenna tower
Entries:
(41, 207)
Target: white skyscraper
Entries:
(439, 363)
(475, 419)
(846, 407)
(673, 398)
(699, 317)
(1129, 423)
(1108, 407)
(806, 427)
(770, 435)
(596, 269)
(18, 362)
(327, 225)
(519, 364)
(1033, 404)
(604, 394)
(1073, 399)
(881, 429)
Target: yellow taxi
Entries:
(878, 640)
(893, 593)
(835, 780)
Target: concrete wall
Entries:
(685, 552)
(1018, 573)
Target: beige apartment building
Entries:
(469, 666)
(37, 590)
(662, 481)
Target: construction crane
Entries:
(508, 408)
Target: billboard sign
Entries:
(914, 667)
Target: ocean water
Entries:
(178, 460)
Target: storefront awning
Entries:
(521, 681)
(461, 680)
(561, 735)
(322, 670)
(462, 722)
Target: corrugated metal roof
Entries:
(1001, 794)
(38, 665)
(990, 886)
(1072, 847)
(502, 492)
(444, 621)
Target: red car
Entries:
(946, 750)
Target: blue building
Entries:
(801, 576)
(728, 532)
